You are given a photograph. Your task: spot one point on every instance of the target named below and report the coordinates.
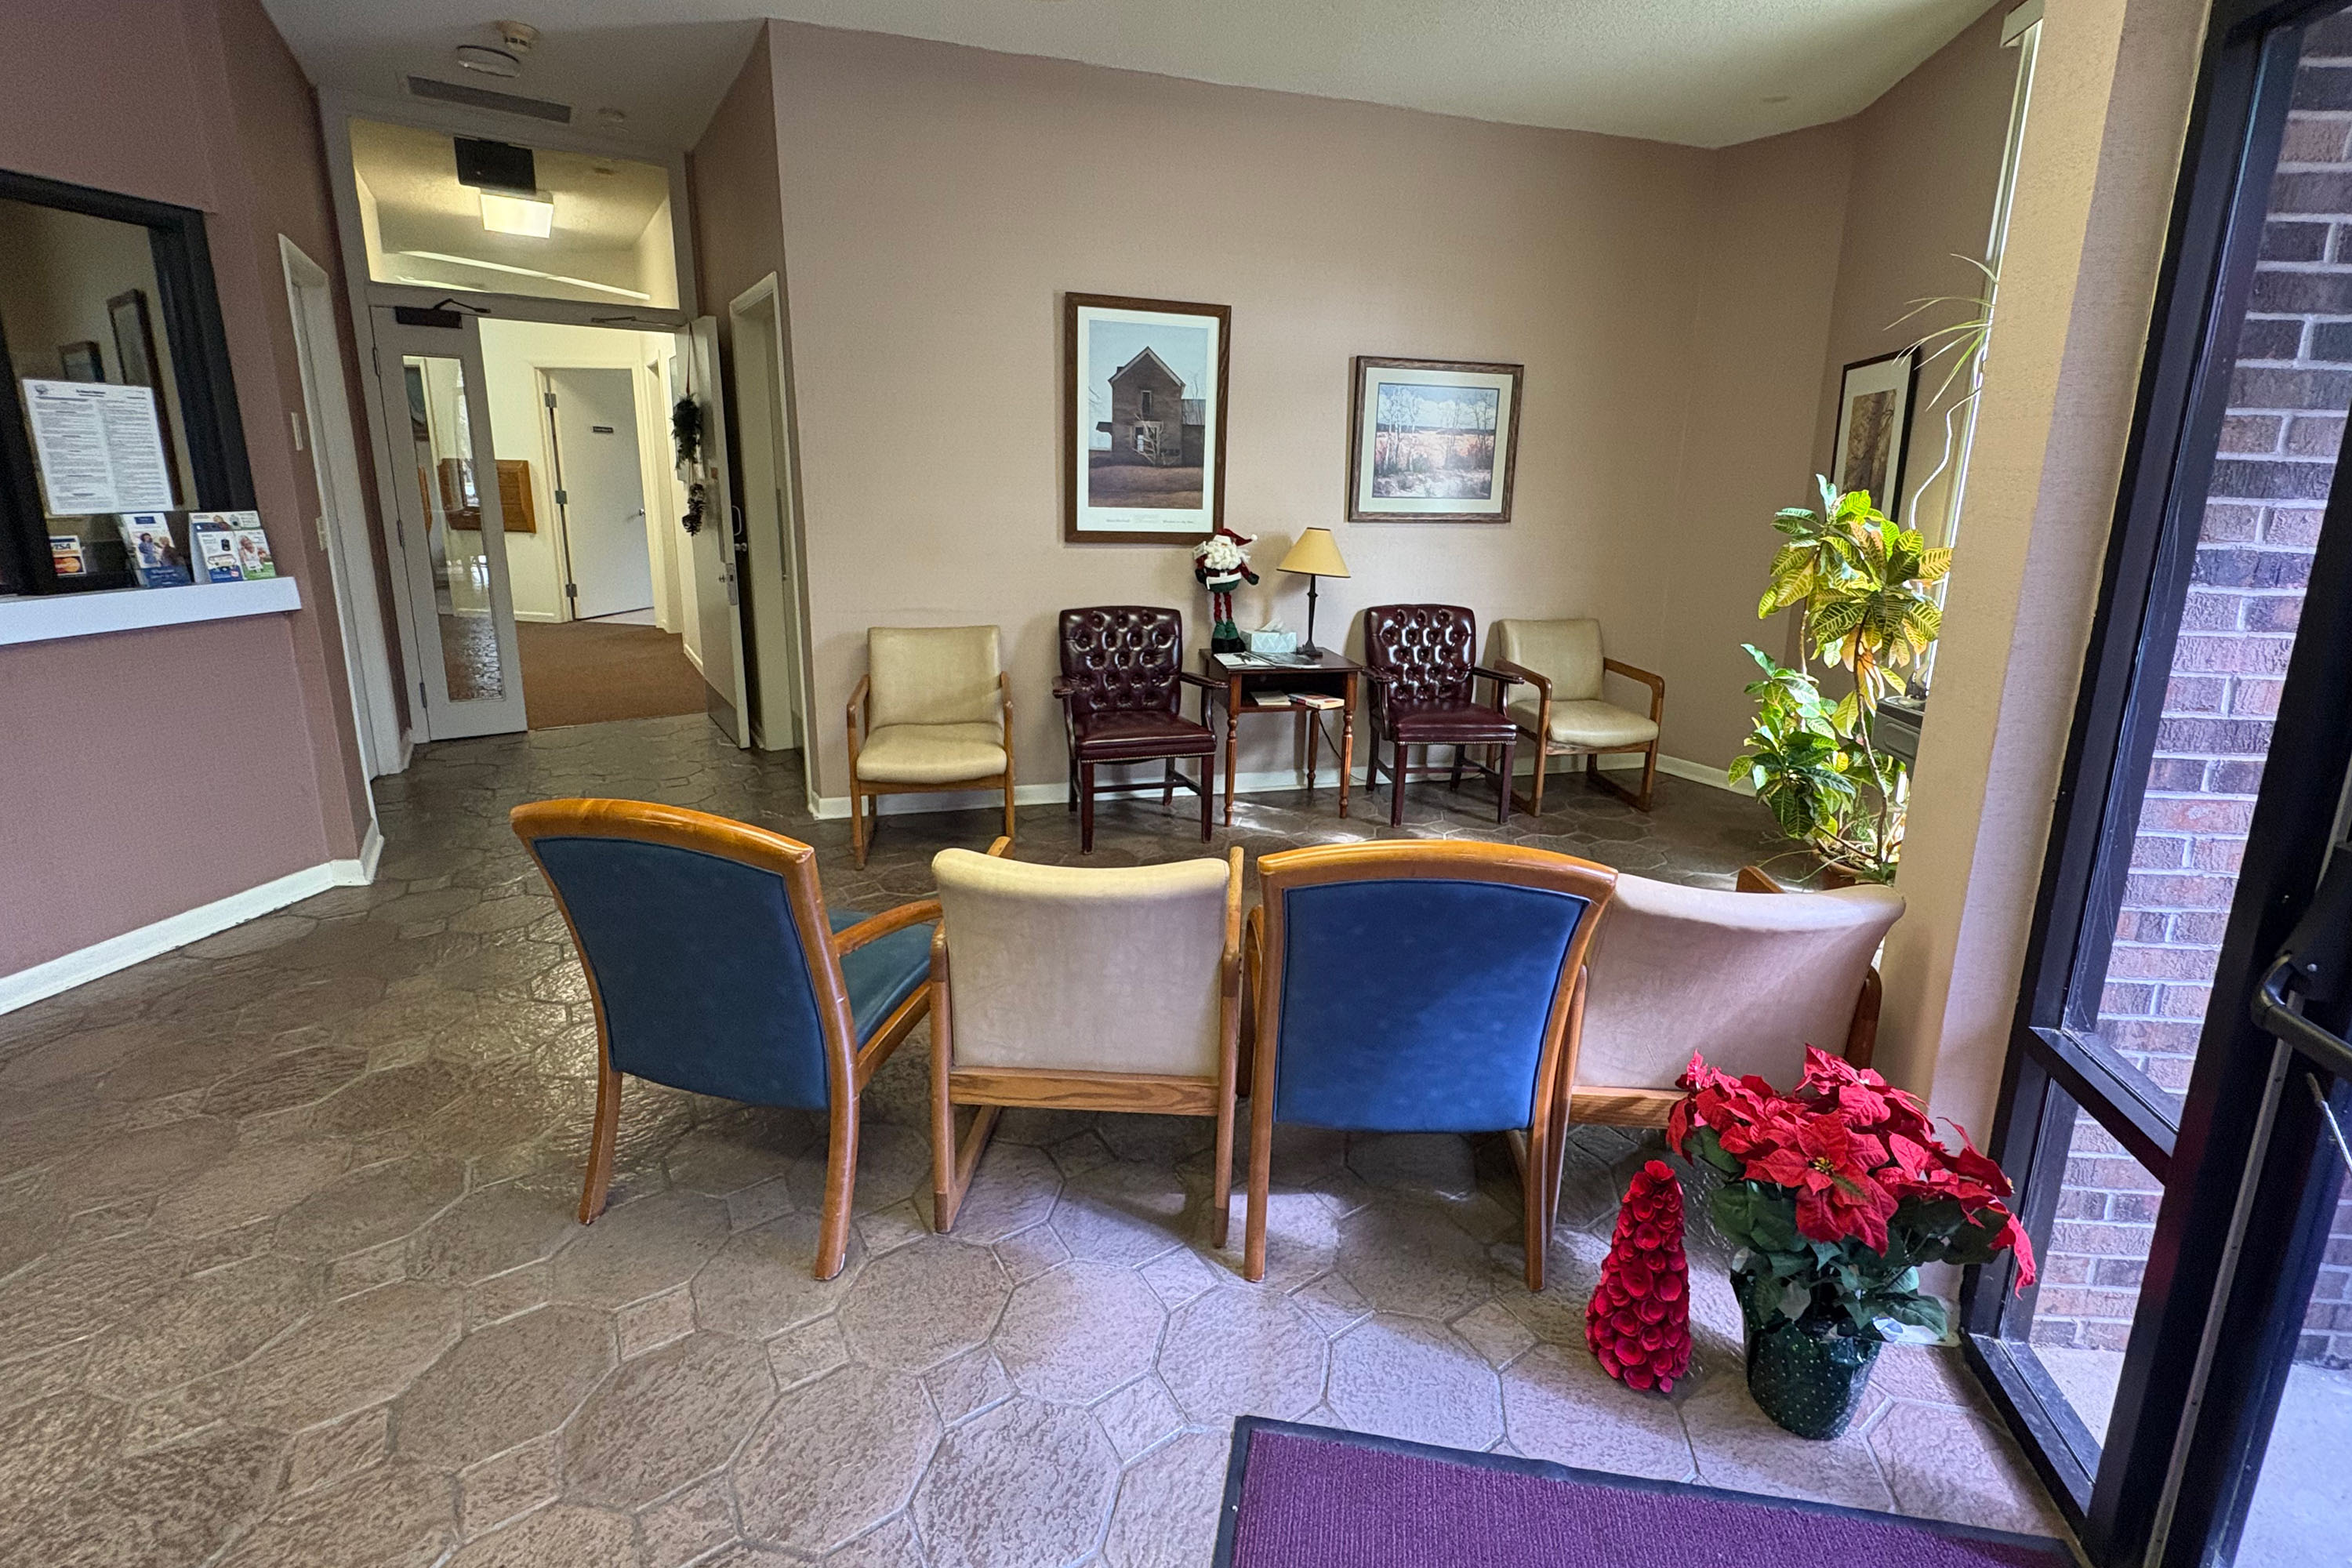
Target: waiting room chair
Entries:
(1422, 662)
(1123, 678)
(1748, 978)
(1563, 661)
(716, 968)
(1080, 988)
(1423, 986)
(934, 711)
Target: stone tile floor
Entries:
(288, 1273)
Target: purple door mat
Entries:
(1310, 1497)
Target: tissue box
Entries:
(1273, 640)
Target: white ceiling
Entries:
(1704, 72)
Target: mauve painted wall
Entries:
(146, 774)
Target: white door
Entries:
(771, 594)
(448, 534)
(599, 493)
(716, 570)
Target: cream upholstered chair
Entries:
(934, 711)
(1083, 988)
(1563, 663)
(1748, 979)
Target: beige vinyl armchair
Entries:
(1747, 978)
(1082, 988)
(1564, 669)
(934, 711)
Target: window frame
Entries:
(189, 317)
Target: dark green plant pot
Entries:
(1811, 1384)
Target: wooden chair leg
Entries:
(840, 1189)
(1535, 1190)
(1208, 793)
(1649, 776)
(1396, 783)
(1454, 780)
(1168, 783)
(1220, 1193)
(856, 823)
(1086, 808)
(601, 1138)
(1503, 782)
(954, 1163)
(1008, 801)
(1261, 1175)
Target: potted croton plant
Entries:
(1839, 1191)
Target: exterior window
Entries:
(118, 401)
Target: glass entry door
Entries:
(449, 533)
(2177, 1372)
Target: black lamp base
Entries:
(1307, 649)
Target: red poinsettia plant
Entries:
(1841, 1190)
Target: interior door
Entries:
(600, 491)
(447, 532)
(717, 573)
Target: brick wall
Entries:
(2277, 459)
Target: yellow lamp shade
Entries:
(1315, 554)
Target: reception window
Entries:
(118, 418)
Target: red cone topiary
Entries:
(1639, 1321)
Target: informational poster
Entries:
(101, 448)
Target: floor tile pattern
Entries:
(288, 1274)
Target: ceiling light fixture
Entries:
(517, 272)
(533, 216)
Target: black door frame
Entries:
(2198, 1402)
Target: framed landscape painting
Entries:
(1875, 426)
(1143, 419)
(1432, 441)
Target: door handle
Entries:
(2317, 953)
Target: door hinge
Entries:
(550, 399)
(421, 698)
(375, 359)
(562, 500)
(572, 590)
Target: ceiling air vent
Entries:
(482, 98)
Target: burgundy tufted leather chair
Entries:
(1122, 675)
(1422, 661)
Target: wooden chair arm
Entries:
(917, 913)
(858, 695)
(1756, 879)
(1004, 692)
(1001, 845)
(1497, 676)
(1193, 678)
(1656, 683)
(1541, 682)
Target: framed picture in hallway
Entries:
(1143, 419)
(1433, 440)
(1873, 426)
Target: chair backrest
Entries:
(706, 944)
(1104, 969)
(1566, 653)
(1123, 658)
(1426, 649)
(1747, 979)
(932, 674)
(1420, 986)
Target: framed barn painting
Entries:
(1432, 441)
(1874, 427)
(1143, 419)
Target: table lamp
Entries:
(1315, 556)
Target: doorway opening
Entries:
(589, 498)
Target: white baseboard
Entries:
(70, 969)
(692, 657)
(836, 807)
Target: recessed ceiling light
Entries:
(488, 61)
(533, 216)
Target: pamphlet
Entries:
(65, 555)
(101, 448)
(215, 548)
(252, 557)
(156, 558)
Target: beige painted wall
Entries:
(1622, 273)
(2111, 93)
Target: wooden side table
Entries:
(1329, 675)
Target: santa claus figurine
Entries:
(1221, 562)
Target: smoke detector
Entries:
(488, 61)
(518, 36)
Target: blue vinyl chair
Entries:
(1421, 987)
(715, 967)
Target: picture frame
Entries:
(1433, 440)
(1873, 426)
(134, 337)
(82, 361)
(1143, 419)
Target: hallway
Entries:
(288, 1275)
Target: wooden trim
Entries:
(1362, 362)
(1604, 1107)
(1213, 481)
(1510, 864)
(1164, 1094)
